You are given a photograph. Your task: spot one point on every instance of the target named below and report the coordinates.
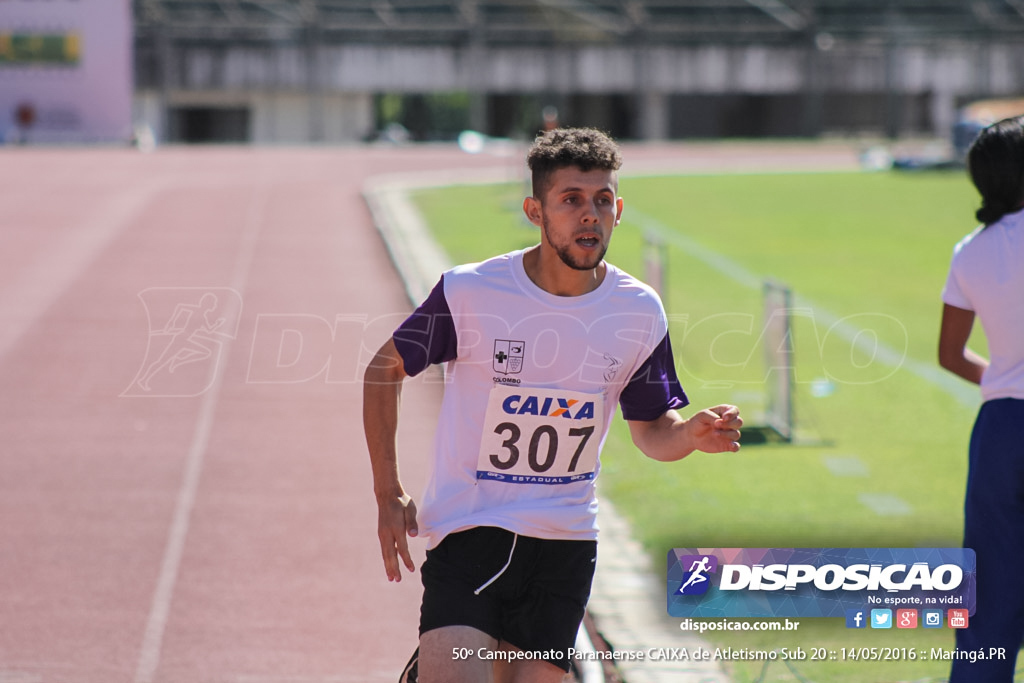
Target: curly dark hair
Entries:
(996, 164)
(585, 148)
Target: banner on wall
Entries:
(65, 70)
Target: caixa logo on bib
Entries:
(816, 582)
(548, 406)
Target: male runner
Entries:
(541, 345)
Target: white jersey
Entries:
(532, 384)
(987, 277)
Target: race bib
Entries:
(540, 436)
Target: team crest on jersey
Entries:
(508, 356)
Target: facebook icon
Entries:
(855, 618)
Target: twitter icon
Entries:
(881, 618)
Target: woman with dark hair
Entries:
(986, 280)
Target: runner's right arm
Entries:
(396, 511)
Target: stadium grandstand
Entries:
(297, 71)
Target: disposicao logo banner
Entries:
(816, 582)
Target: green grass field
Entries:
(882, 455)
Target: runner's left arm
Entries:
(650, 402)
(670, 437)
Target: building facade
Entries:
(309, 71)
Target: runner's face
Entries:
(577, 215)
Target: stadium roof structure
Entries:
(535, 22)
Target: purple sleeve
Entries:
(428, 335)
(654, 387)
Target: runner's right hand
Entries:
(396, 517)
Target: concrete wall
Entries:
(275, 116)
(955, 66)
(302, 94)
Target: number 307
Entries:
(541, 433)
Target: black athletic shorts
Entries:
(524, 591)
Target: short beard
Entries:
(568, 258)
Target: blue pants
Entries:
(994, 528)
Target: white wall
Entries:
(276, 117)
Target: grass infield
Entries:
(882, 458)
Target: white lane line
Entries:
(885, 504)
(12, 676)
(28, 298)
(845, 465)
(156, 624)
(858, 337)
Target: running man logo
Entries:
(695, 580)
(189, 330)
(508, 356)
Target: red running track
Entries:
(185, 494)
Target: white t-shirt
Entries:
(987, 277)
(533, 381)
